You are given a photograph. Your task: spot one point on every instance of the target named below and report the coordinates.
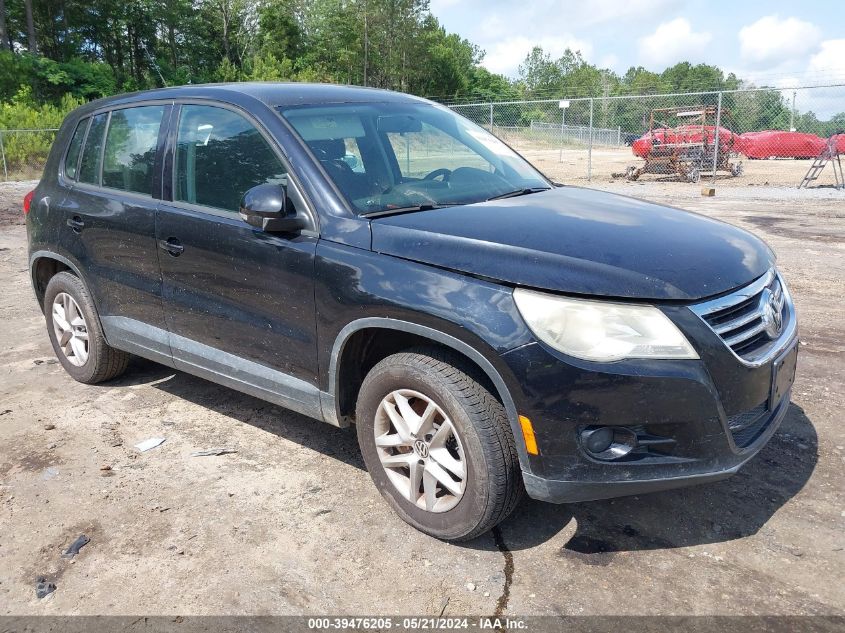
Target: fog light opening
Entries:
(608, 443)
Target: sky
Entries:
(770, 43)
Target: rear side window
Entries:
(219, 155)
(89, 169)
(72, 157)
(130, 148)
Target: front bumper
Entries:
(704, 419)
(562, 491)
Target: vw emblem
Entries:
(772, 317)
(421, 448)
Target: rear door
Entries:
(239, 302)
(110, 223)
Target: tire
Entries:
(478, 440)
(101, 362)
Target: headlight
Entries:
(601, 330)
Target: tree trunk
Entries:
(4, 33)
(224, 11)
(171, 40)
(30, 27)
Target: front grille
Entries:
(747, 426)
(751, 320)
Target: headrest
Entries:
(333, 149)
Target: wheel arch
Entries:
(44, 265)
(336, 403)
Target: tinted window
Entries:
(74, 148)
(219, 155)
(131, 147)
(89, 169)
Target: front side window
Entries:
(397, 156)
(89, 168)
(72, 157)
(219, 156)
(130, 148)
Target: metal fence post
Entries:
(717, 136)
(562, 126)
(491, 117)
(3, 152)
(590, 146)
(619, 135)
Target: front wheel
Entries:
(438, 444)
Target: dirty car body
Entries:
(392, 243)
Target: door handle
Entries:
(172, 246)
(76, 224)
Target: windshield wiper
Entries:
(408, 209)
(518, 192)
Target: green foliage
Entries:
(25, 152)
(266, 67)
(96, 48)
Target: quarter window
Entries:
(72, 157)
(219, 156)
(131, 141)
(89, 169)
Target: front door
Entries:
(239, 302)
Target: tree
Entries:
(30, 27)
(4, 32)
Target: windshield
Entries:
(392, 156)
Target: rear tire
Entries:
(445, 402)
(78, 340)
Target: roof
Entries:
(270, 93)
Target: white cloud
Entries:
(436, 6)
(772, 40)
(506, 55)
(830, 60)
(672, 42)
(609, 61)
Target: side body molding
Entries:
(329, 403)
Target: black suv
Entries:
(368, 257)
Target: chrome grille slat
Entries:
(745, 335)
(732, 325)
(745, 319)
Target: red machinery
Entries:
(687, 148)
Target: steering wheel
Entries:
(437, 173)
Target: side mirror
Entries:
(265, 207)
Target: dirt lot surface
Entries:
(291, 524)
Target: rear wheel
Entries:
(438, 445)
(75, 332)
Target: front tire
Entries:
(438, 445)
(75, 332)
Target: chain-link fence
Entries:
(742, 137)
(765, 136)
(24, 152)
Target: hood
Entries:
(581, 241)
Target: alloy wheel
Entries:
(420, 450)
(70, 329)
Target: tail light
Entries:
(27, 202)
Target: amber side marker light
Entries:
(528, 435)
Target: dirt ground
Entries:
(290, 523)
